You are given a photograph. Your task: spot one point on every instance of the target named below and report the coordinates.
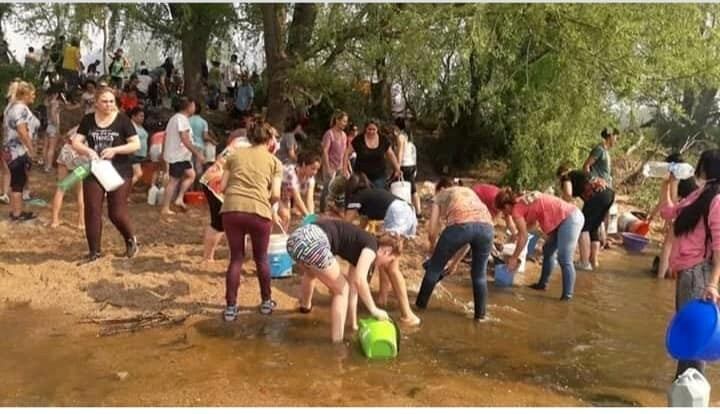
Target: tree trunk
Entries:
(278, 63)
(279, 57)
(194, 53)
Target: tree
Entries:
(191, 24)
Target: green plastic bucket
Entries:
(379, 339)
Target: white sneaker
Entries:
(583, 266)
(4, 199)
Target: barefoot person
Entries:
(250, 184)
(558, 219)
(178, 154)
(696, 248)
(137, 116)
(107, 134)
(597, 199)
(19, 127)
(398, 218)
(468, 222)
(314, 247)
(67, 161)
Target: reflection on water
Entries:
(606, 347)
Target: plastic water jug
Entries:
(106, 174)
(280, 261)
(613, 222)
(402, 190)
(160, 195)
(659, 169)
(152, 197)
(378, 339)
(77, 175)
(690, 389)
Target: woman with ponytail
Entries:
(696, 250)
(19, 126)
(558, 219)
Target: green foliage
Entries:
(7, 74)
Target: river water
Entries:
(604, 348)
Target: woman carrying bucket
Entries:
(314, 247)
(597, 199)
(107, 133)
(399, 219)
(558, 219)
(250, 184)
(696, 249)
(468, 222)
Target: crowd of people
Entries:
(262, 179)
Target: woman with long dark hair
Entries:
(372, 149)
(696, 249)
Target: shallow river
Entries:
(606, 347)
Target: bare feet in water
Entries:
(410, 321)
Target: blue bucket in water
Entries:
(503, 277)
(280, 261)
(694, 332)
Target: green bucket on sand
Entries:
(379, 339)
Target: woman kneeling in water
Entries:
(314, 247)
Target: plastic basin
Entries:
(634, 242)
(694, 332)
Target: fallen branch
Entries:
(135, 323)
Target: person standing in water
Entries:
(314, 247)
(598, 165)
(468, 222)
(558, 219)
(597, 199)
(696, 249)
(108, 134)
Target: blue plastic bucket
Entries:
(280, 261)
(503, 277)
(694, 332)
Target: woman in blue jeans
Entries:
(468, 222)
(558, 219)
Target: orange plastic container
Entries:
(641, 227)
(194, 198)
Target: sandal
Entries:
(91, 257)
(537, 286)
(267, 306)
(24, 216)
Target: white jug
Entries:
(152, 197)
(402, 189)
(690, 389)
(106, 174)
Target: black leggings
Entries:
(94, 195)
(214, 204)
(19, 173)
(595, 209)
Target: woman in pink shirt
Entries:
(696, 249)
(334, 143)
(487, 194)
(558, 219)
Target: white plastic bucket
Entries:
(280, 261)
(106, 174)
(402, 189)
(509, 249)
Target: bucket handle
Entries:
(278, 225)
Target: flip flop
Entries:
(24, 216)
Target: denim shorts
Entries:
(310, 245)
(400, 219)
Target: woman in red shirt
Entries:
(558, 219)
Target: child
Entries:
(67, 162)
